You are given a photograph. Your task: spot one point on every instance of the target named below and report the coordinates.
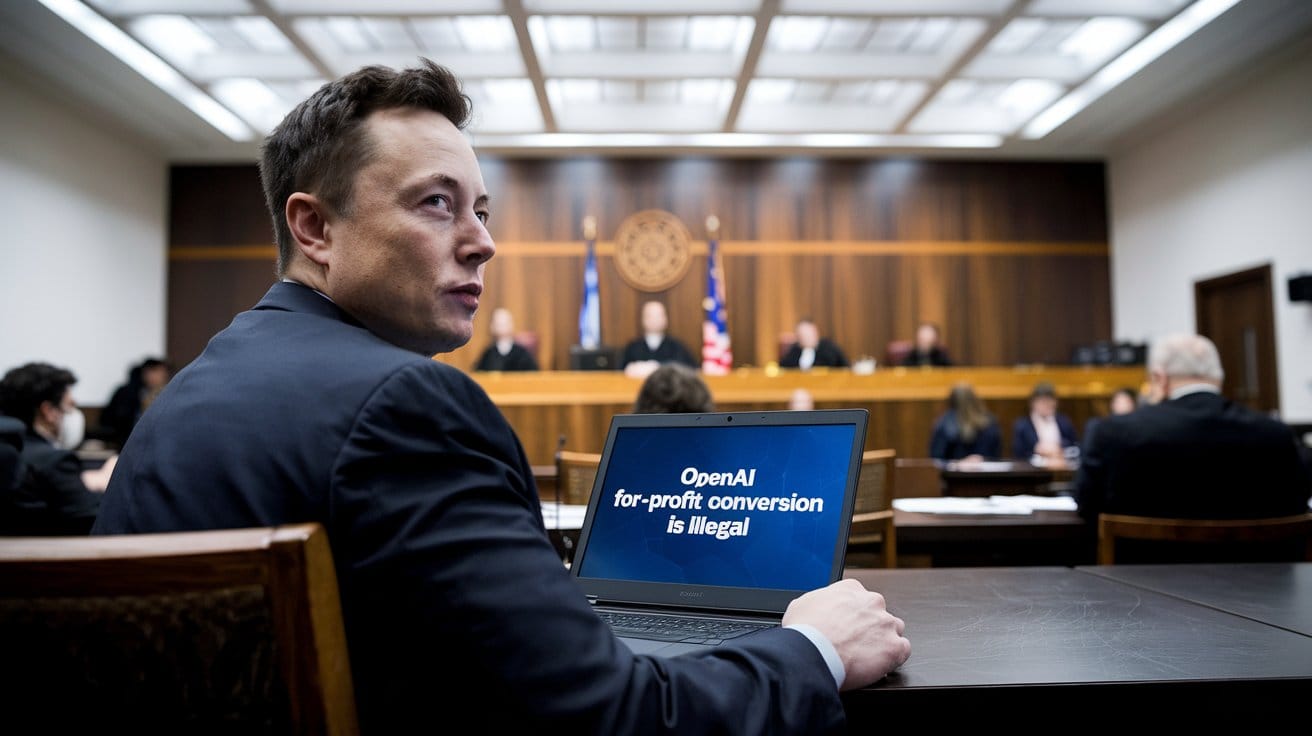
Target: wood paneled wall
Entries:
(1009, 258)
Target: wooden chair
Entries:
(872, 517)
(575, 474)
(1112, 527)
(197, 632)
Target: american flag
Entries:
(717, 357)
(590, 311)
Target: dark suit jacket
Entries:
(826, 354)
(669, 351)
(936, 356)
(946, 442)
(1199, 456)
(1024, 436)
(11, 449)
(50, 498)
(457, 607)
(518, 359)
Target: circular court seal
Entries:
(652, 250)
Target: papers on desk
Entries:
(991, 506)
(563, 516)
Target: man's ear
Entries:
(307, 218)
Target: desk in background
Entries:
(903, 403)
(996, 645)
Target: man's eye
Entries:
(439, 200)
(483, 217)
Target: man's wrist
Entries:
(826, 649)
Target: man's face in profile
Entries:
(408, 260)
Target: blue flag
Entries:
(590, 312)
(717, 358)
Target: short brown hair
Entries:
(320, 146)
(25, 388)
(673, 389)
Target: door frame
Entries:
(1270, 373)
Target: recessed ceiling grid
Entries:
(768, 67)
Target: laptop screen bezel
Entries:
(719, 598)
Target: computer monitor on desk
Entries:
(593, 359)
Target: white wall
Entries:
(82, 250)
(1222, 186)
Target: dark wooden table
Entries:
(1020, 478)
(1278, 594)
(1042, 538)
(1006, 645)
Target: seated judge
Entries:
(967, 431)
(51, 496)
(645, 354)
(673, 389)
(1044, 432)
(323, 404)
(1195, 454)
(811, 350)
(504, 354)
(928, 350)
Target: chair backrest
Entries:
(1199, 531)
(575, 474)
(188, 632)
(786, 342)
(896, 352)
(874, 490)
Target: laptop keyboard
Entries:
(675, 628)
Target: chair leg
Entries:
(1106, 545)
(890, 544)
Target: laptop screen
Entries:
(728, 505)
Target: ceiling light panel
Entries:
(617, 34)
(253, 100)
(176, 38)
(1063, 50)
(667, 34)
(486, 33)
(437, 34)
(125, 8)
(643, 7)
(807, 106)
(996, 107)
(902, 48)
(1146, 9)
(896, 7)
(385, 7)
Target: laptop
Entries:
(702, 528)
(602, 358)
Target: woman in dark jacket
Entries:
(967, 431)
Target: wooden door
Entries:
(1236, 312)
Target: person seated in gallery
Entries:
(1194, 454)
(1044, 434)
(928, 350)
(131, 399)
(52, 496)
(673, 389)
(966, 431)
(811, 350)
(504, 354)
(645, 354)
(1123, 401)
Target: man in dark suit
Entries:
(928, 350)
(645, 354)
(47, 496)
(1193, 455)
(1044, 432)
(811, 350)
(322, 404)
(504, 354)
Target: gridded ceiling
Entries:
(769, 67)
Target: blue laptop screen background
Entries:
(784, 541)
